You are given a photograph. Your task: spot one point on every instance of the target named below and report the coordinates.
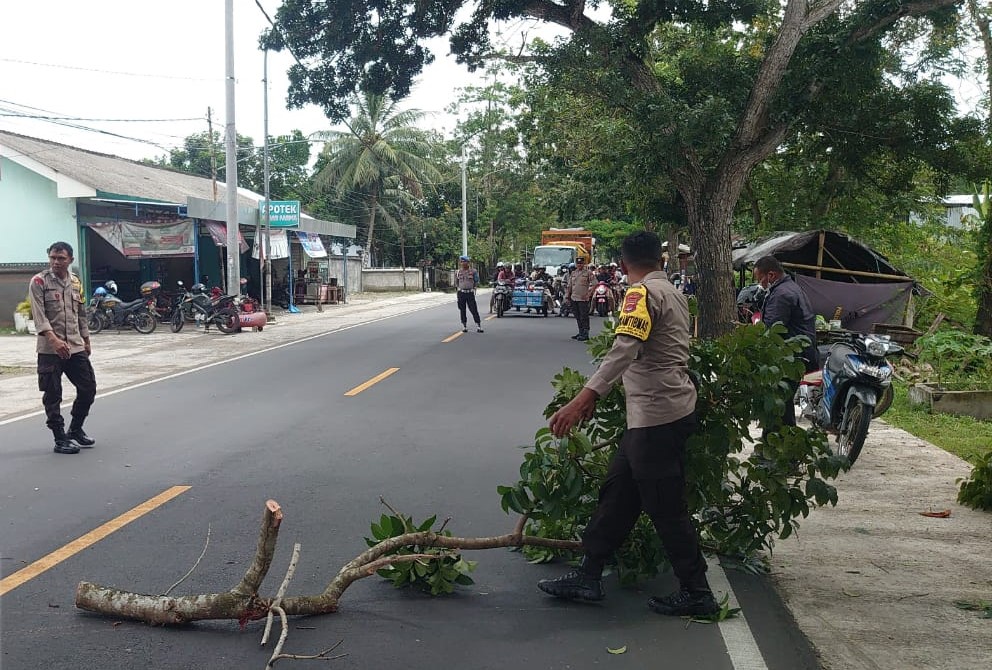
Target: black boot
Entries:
(686, 602)
(62, 443)
(583, 583)
(79, 437)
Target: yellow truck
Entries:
(561, 246)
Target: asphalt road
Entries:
(435, 437)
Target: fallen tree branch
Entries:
(290, 571)
(243, 603)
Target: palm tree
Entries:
(381, 155)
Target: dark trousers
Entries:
(647, 474)
(467, 298)
(79, 371)
(581, 309)
(788, 414)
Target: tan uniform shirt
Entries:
(580, 284)
(655, 371)
(466, 280)
(57, 305)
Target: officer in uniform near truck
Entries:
(59, 311)
(647, 473)
(581, 283)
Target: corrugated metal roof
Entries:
(115, 175)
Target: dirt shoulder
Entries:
(872, 583)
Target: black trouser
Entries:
(581, 309)
(468, 298)
(79, 371)
(647, 474)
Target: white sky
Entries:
(177, 47)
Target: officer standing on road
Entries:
(59, 312)
(466, 281)
(581, 283)
(647, 473)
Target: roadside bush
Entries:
(958, 357)
(24, 307)
(976, 491)
(741, 504)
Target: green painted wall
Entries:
(32, 216)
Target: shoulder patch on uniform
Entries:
(635, 319)
(39, 280)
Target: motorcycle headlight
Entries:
(876, 346)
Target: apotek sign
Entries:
(282, 213)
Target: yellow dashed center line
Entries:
(490, 318)
(449, 338)
(375, 380)
(11, 582)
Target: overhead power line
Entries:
(83, 118)
(116, 72)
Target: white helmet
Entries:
(499, 264)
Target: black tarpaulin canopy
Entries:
(826, 264)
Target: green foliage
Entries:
(741, 504)
(437, 576)
(982, 606)
(976, 491)
(24, 307)
(958, 357)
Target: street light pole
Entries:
(464, 206)
(266, 248)
(231, 186)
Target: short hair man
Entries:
(578, 290)
(59, 311)
(786, 303)
(647, 473)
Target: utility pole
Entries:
(464, 206)
(265, 172)
(231, 168)
(213, 157)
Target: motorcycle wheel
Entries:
(499, 309)
(227, 321)
(852, 437)
(177, 321)
(884, 403)
(94, 323)
(145, 323)
(602, 309)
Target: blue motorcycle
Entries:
(854, 386)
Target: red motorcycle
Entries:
(602, 299)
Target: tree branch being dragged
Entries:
(413, 554)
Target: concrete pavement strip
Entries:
(871, 582)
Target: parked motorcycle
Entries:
(106, 310)
(197, 305)
(502, 297)
(842, 397)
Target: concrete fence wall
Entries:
(391, 279)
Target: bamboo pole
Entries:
(819, 253)
(842, 271)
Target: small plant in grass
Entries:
(976, 491)
(958, 357)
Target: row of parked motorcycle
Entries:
(198, 304)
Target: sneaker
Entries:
(574, 585)
(80, 438)
(64, 446)
(685, 603)
(479, 329)
(464, 329)
(576, 336)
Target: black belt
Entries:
(466, 290)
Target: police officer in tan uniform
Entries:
(59, 312)
(466, 281)
(581, 283)
(647, 473)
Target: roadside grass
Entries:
(962, 436)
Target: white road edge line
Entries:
(239, 357)
(737, 637)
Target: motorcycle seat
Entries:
(814, 378)
(132, 303)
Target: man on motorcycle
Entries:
(786, 303)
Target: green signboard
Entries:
(282, 213)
